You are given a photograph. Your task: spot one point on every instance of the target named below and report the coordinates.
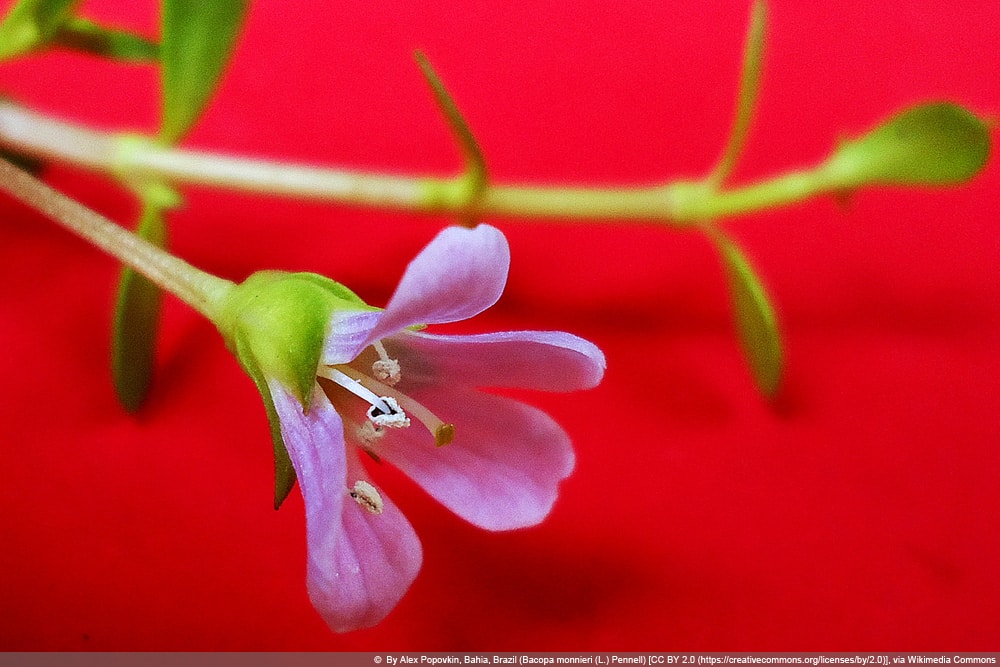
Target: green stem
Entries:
(656, 203)
(784, 190)
(202, 291)
(680, 204)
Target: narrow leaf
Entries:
(84, 35)
(476, 178)
(137, 315)
(746, 102)
(197, 41)
(755, 319)
(31, 24)
(936, 143)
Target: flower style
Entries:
(346, 378)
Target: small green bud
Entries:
(937, 143)
(281, 320)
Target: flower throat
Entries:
(388, 407)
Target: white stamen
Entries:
(443, 432)
(367, 496)
(358, 389)
(393, 418)
(385, 369)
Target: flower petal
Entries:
(350, 332)
(461, 273)
(376, 559)
(360, 564)
(542, 360)
(504, 466)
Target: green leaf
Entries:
(476, 178)
(746, 102)
(197, 41)
(84, 35)
(284, 472)
(937, 143)
(755, 319)
(31, 25)
(137, 315)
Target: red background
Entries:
(857, 511)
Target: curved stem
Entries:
(198, 289)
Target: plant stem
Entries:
(680, 204)
(198, 289)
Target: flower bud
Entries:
(937, 143)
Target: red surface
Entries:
(858, 511)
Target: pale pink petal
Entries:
(359, 563)
(461, 273)
(350, 332)
(503, 469)
(376, 559)
(541, 360)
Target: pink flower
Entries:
(411, 399)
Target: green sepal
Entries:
(276, 324)
(84, 35)
(31, 25)
(333, 288)
(283, 318)
(136, 318)
(197, 42)
(936, 143)
(756, 322)
(284, 472)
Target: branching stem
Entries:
(682, 203)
